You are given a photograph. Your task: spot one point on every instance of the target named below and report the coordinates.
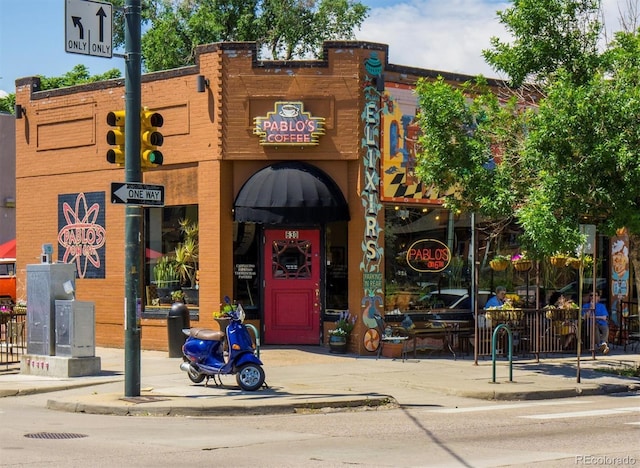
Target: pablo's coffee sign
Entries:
(428, 255)
(289, 124)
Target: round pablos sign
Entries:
(428, 255)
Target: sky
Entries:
(444, 35)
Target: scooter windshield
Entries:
(240, 313)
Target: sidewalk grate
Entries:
(144, 399)
(55, 435)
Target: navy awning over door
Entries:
(290, 193)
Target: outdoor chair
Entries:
(390, 335)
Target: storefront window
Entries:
(291, 259)
(245, 260)
(426, 249)
(167, 229)
(337, 288)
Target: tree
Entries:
(573, 153)
(286, 29)
(78, 75)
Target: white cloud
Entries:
(437, 35)
(449, 35)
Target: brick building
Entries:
(293, 171)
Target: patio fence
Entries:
(535, 332)
(13, 337)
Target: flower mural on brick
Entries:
(81, 232)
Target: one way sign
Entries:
(133, 193)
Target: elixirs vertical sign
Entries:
(88, 28)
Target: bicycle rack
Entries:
(257, 335)
(493, 351)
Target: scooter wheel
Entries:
(194, 375)
(250, 377)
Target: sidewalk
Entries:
(308, 378)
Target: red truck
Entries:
(8, 279)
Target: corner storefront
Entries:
(295, 179)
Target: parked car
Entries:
(452, 299)
(571, 290)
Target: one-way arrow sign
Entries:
(133, 193)
(88, 28)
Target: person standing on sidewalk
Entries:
(595, 307)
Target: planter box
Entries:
(392, 350)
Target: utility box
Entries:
(75, 328)
(45, 284)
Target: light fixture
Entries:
(10, 202)
(202, 83)
(20, 111)
(403, 214)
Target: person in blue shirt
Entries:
(498, 299)
(595, 308)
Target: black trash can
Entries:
(177, 319)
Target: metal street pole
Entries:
(133, 214)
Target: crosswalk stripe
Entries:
(506, 406)
(581, 414)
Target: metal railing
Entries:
(13, 337)
(535, 332)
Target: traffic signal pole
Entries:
(133, 214)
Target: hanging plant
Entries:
(521, 262)
(559, 260)
(499, 263)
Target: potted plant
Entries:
(166, 278)
(186, 260)
(177, 295)
(222, 316)
(499, 263)
(339, 336)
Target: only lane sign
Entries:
(133, 193)
(88, 28)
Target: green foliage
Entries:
(187, 252)
(165, 273)
(461, 136)
(344, 325)
(8, 103)
(287, 29)
(549, 35)
(571, 157)
(177, 295)
(78, 75)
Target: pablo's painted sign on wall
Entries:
(81, 232)
(289, 124)
(428, 255)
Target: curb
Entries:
(116, 405)
(601, 389)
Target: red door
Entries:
(292, 286)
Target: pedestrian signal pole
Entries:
(133, 213)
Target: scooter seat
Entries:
(207, 334)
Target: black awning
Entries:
(290, 193)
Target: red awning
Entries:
(8, 249)
(153, 254)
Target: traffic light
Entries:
(150, 139)
(115, 137)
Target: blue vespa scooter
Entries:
(204, 354)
